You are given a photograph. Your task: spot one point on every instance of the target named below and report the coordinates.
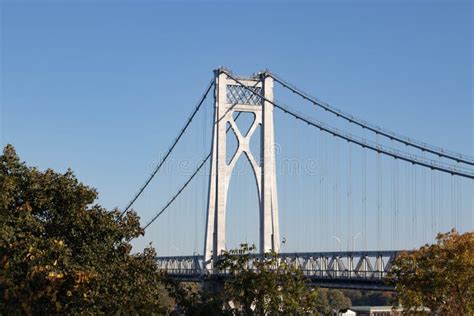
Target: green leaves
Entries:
(266, 285)
(439, 276)
(60, 253)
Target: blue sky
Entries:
(102, 87)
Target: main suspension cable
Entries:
(414, 159)
(168, 153)
(441, 152)
(179, 192)
(432, 164)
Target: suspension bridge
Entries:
(337, 196)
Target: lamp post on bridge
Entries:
(348, 244)
(354, 240)
(339, 242)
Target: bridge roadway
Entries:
(343, 269)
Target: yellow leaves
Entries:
(437, 275)
(60, 243)
(30, 254)
(84, 277)
(55, 275)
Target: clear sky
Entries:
(102, 87)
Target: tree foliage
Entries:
(263, 286)
(266, 285)
(439, 276)
(60, 253)
(337, 300)
(369, 298)
(193, 299)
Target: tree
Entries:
(439, 276)
(255, 286)
(373, 298)
(265, 285)
(60, 253)
(192, 299)
(337, 300)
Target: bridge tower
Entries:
(231, 97)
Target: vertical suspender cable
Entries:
(459, 206)
(306, 174)
(441, 204)
(414, 207)
(337, 221)
(379, 235)
(407, 205)
(314, 185)
(442, 208)
(453, 205)
(326, 187)
(321, 195)
(301, 176)
(349, 194)
(392, 202)
(397, 202)
(436, 204)
(433, 194)
(392, 208)
(423, 204)
(364, 196)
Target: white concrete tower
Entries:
(231, 97)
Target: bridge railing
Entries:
(355, 265)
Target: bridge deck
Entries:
(354, 270)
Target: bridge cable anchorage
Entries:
(441, 152)
(414, 159)
(168, 153)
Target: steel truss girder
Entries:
(353, 269)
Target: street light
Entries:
(354, 240)
(339, 241)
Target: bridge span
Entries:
(351, 270)
(339, 177)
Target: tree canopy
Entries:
(61, 253)
(439, 276)
(264, 286)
